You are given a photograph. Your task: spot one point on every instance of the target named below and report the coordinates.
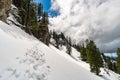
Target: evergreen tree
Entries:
(94, 57)
(45, 19)
(56, 38)
(33, 20)
(40, 10)
(118, 61)
(62, 36)
(68, 46)
(31, 16)
(27, 11)
(83, 53)
(109, 63)
(104, 57)
(43, 31)
(114, 67)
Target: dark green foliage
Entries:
(62, 36)
(109, 63)
(27, 11)
(104, 57)
(43, 31)
(83, 54)
(56, 38)
(68, 46)
(114, 67)
(45, 18)
(94, 57)
(118, 61)
(77, 47)
(82, 50)
(60, 40)
(99, 59)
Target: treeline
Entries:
(88, 53)
(91, 54)
(109, 63)
(34, 18)
(36, 21)
(113, 65)
(60, 40)
(27, 12)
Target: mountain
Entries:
(24, 57)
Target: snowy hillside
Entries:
(20, 59)
(105, 73)
(23, 57)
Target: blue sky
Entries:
(46, 7)
(46, 4)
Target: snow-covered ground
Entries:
(20, 58)
(105, 73)
(23, 57)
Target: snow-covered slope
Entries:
(106, 74)
(23, 57)
(20, 58)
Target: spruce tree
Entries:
(40, 10)
(45, 19)
(43, 31)
(56, 38)
(104, 57)
(118, 61)
(83, 53)
(62, 36)
(68, 46)
(94, 57)
(114, 67)
(109, 63)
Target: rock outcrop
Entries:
(5, 6)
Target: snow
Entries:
(69, 69)
(105, 73)
(23, 57)
(18, 55)
(14, 17)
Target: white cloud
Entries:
(94, 19)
